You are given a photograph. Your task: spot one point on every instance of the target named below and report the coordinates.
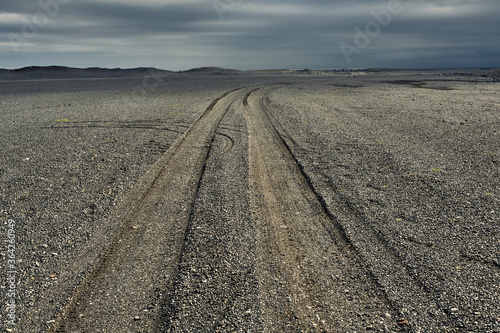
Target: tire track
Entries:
(215, 289)
(311, 277)
(387, 264)
(229, 142)
(123, 288)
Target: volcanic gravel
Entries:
(71, 149)
(417, 161)
(413, 156)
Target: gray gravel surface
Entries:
(67, 159)
(406, 163)
(416, 163)
(216, 289)
(71, 149)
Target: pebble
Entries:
(403, 322)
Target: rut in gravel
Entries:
(216, 287)
(310, 277)
(138, 265)
(228, 235)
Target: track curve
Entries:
(313, 280)
(265, 254)
(140, 261)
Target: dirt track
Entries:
(307, 275)
(150, 239)
(312, 278)
(234, 228)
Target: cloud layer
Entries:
(250, 34)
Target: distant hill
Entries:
(309, 72)
(40, 68)
(63, 72)
(60, 72)
(212, 71)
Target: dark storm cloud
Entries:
(245, 34)
(175, 17)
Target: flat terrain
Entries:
(252, 201)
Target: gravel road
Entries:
(411, 169)
(285, 202)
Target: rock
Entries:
(403, 322)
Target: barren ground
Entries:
(256, 202)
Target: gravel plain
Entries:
(405, 162)
(416, 161)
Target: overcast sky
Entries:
(250, 34)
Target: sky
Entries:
(250, 34)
